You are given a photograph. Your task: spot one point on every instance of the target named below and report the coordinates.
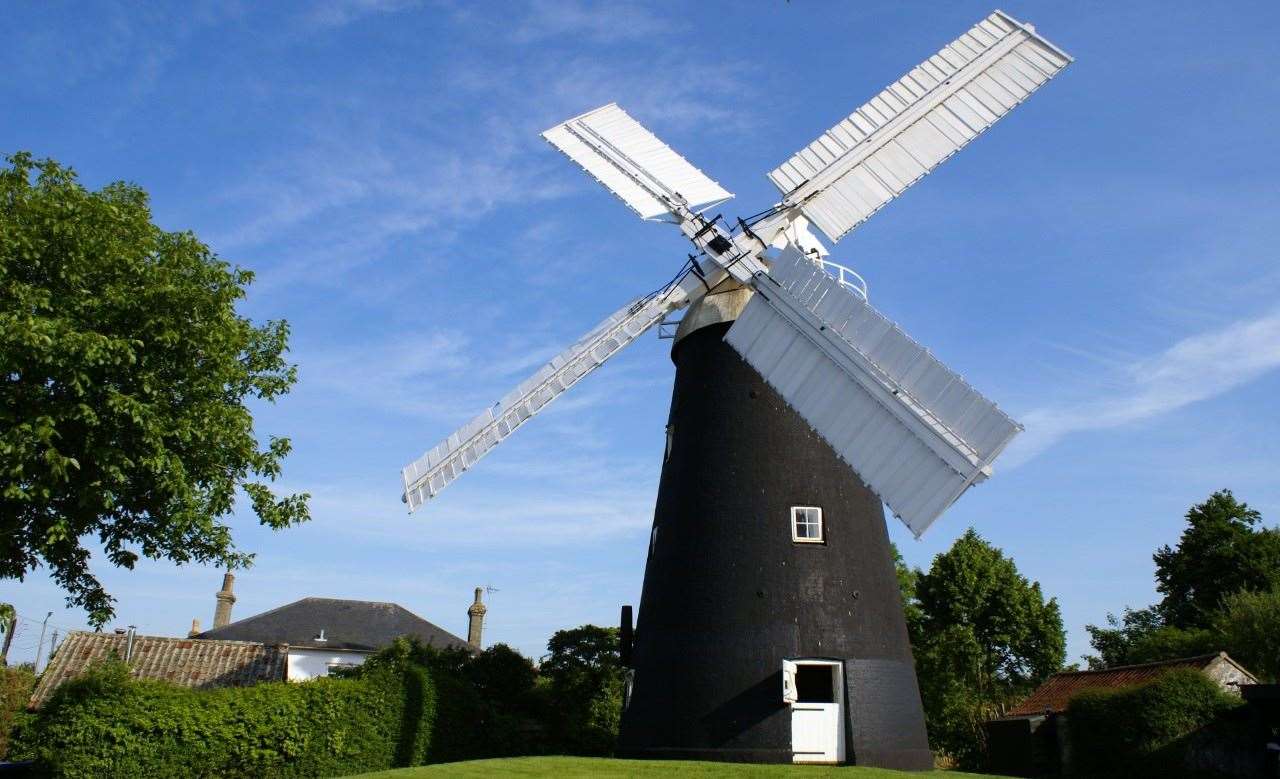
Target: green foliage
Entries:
(503, 676)
(106, 724)
(1223, 556)
(907, 578)
(1142, 637)
(1141, 731)
(1224, 549)
(16, 685)
(984, 638)
(8, 621)
(584, 689)
(1249, 624)
(125, 377)
(487, 705)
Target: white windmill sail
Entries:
(916, 433)
(911, 428)
(633, 164)
(433, 471)
(885, 146)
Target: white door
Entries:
(817, 721)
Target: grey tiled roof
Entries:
(182, 661)
(359, 625)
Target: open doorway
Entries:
(814, 689)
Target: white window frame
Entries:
(795, 513)
(330, 667)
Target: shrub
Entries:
(583, 690)
(1142, 731)
(107, 724)
(1250, 625)
(486, 706)
(16, 685)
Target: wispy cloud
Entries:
(1196, 368)
(577, 21)
(349, 181)
(130, 43)
(446, 376)
(338, 13)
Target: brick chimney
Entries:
(226, 599)
(195, 629)
(475, 621)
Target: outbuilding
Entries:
(1031, 740)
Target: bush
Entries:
(1250, 627)
(1143, 730)
(486, 705)
(583, 690)
(16, 685)
(107, 724)
(408, 704)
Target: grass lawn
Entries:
(566, 767)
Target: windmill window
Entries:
(806, 524)
(671, 434)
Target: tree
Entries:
(125, 378)
(1249, 624)
(503, 676)
(1142, 636)
(985, 638)
(584, 674)
(1223, 550)
(8, 622)
(907, 577)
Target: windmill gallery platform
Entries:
(770, 625)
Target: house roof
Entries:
(1056, 692)
(181, 661)
(359, 625)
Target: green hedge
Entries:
(408, 704)
(106, 724)
(1142, 731)
(487, 705)
(16, 685)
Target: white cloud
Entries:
(586, 22)
(339, 13)
(1196, 368)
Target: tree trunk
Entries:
(8, 639)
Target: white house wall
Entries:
(307, 664)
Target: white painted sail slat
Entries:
(876, 432)
(432, 472)
(899, 417)
(632, 163)
(911, 126)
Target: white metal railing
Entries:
(847, 277)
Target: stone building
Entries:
(1031, 740)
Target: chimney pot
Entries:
(225, 600)
(475, 620)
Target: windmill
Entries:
(770, 627)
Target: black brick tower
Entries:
(728, 595)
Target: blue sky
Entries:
(1103, 264)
